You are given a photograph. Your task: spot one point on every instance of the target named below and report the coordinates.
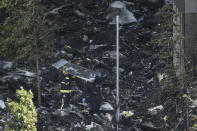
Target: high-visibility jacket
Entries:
(66, 81)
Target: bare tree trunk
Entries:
(38, 81)
(187, 116)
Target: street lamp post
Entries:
(117, 74)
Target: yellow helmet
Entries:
(63, 70)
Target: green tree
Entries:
(25, 34)
(24, 116)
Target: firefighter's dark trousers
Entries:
(65, 100)
(95, 103)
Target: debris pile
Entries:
(88, 41)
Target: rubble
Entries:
(81, 72)
(78, 114)
(108, 117)
(127, 113)
(106, 107)
(128, 3)
(60, 63)
(80, 14)
(156, 1)
(63, 112)
(10, 75)
(87, 32)
(130, 73)
(85, 38)
(94, 126)
(112, 55)
(148, 126)
(94, 47)
(55, 10)
(194, 104)
(161, 76)
(25, 73)
(155, 110)
(120, 69)
(5, 64)
(150, 81)
(2, 104)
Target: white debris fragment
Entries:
(63, 51)
(64, 112)
(119, 8)
(120, 69)
(161, 76)
(85, 38)
(155, 110)
(150, 81)
(108, 116)
(112, 54)
(71, 68)
(128, 3)
(55, 10)
(94, 47)
(90, 41)
(91, 126)
(44, 112)
(9, 76)
(2, 104)
(63, 129)
(106, 107)
(6, 64)
(25, 73)
(130, 73)
(2, 120)
(194, 104)
(77, 125)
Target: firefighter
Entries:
(66, 85)
(93, 90)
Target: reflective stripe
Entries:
(67, 78)
(65, 91)
(62, 103)
(65, 83)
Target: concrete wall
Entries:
(190, 44)
(190, 6)
(188, 9)
(186, 6)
